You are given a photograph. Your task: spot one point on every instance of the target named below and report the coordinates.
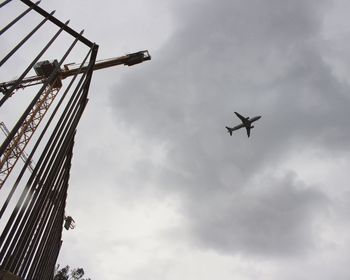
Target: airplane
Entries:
(246, 122)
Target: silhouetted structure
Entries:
(32, 211)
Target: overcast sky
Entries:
(159, 189)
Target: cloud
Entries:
(256, 58)
(274, 220)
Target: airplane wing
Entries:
(243, 119)
(248, 130)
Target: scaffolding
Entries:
(33, 209)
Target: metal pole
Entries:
(23, 41)
(26, 227)
(47, 177)
(43, 225)
(4, 3)
(8, 226)
(59, 23)
(17, 18)
(58, 215)
(36, 98)
(9, 92)
(43, 133)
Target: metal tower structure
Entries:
(43, 71)
(33, 203)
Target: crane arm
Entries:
(30, 81)
(127, 60)
(44, 68)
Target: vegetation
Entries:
(66, 273)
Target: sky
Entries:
(159, 189)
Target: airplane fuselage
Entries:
(247, 122)
(254, 119)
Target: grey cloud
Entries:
(256, 57)
(207, 68)
(275, 220)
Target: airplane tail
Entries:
(229, 130)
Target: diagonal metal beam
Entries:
(58, 23)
